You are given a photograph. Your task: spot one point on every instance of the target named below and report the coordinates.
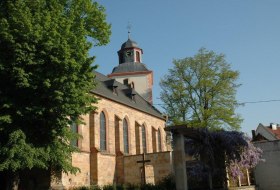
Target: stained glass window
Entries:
(102, 132)
(159, 141)
(125, 137)
(144, 145)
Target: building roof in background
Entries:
(271, 132)
(111, 89)
(276, 131)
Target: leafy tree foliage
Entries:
(200, 91)
(45, 78)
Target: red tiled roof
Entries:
(276, 132)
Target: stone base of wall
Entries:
(159, 166)
(106, 164)
(82, 178)
(112, 169)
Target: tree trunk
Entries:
(13, 181)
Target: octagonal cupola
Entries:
(130, 52)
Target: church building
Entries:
(123, 140)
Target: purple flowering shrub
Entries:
(218, 150)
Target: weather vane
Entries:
(129, 26)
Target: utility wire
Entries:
(243, 103)
(261, 101)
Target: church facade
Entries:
(123, 140)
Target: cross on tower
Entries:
(129, 26)
(143, 161)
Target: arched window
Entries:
(74, 128)
(159, 141)
(102, 132)
(137, 56)
(125, 137)
(144, 144)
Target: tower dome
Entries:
(129, 44)
(130, 52)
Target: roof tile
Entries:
(104, 88)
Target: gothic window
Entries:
(154, 141)
(144, 144)
(159, 141)
(125, 137)
(102, 132)
(138, 131)
(74, 128)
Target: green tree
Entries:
(200, 91)
(45, 79)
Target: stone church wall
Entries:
(113, 165)
(134, 118)
(82, 178)
(160, 165)
(80, 160)
(110, 166)
(106, 169)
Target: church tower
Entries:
(132, 72)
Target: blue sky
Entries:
(246, 31)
